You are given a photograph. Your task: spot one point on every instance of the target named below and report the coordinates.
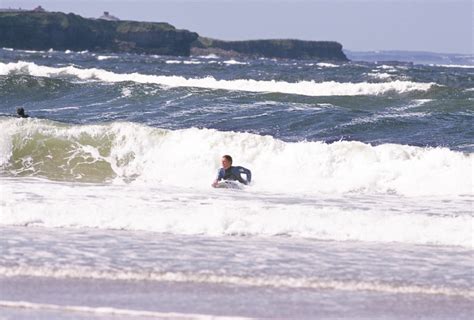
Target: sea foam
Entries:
(159, 180)
(110, 312)
(250, 212)
(235, 280)
(189, 157)
(307, 88)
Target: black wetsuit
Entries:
(21, 113)
(234, 174)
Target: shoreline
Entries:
(170, 300)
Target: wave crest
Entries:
(306, 88)
(190, 157)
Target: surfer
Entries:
(21, 113)
(229, 172)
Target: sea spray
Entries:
(307, 88)
(190, 157)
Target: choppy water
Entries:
(347, 159)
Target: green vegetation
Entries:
(45, 30)
(275, 48)
(60, 31)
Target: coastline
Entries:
(410, 291)
(44, 30)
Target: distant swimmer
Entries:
(229, 172)
(21, 113)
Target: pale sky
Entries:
(360, 25)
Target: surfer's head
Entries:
(226, 161)
(20, 112)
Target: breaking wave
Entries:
(189, 157)
(306, 88)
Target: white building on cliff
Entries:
(109, 17)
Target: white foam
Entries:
(100, 58)
(59, 109)
(203, 277)
(126, 92)
(453, 66)
(191, 62)
(6, 148)
(32, 51)
(308, 88)
(109, 311)
(192, 211)
(347, 166)
(327, 65)
(183, 62)
(172, 172)
(387, 68)
(232, 61)
(210, 56)
(377, 75)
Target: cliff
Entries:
(286, 48)
(45, 30)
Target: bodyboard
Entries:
(229, 185)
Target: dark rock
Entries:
(36, 30)
(45, 30)
(289, 49)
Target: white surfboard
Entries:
(226, 184)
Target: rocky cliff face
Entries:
(290, 49)
(45, 30)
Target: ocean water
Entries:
(361, 204)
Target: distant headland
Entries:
(41, 30)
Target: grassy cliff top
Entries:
(66, 20)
